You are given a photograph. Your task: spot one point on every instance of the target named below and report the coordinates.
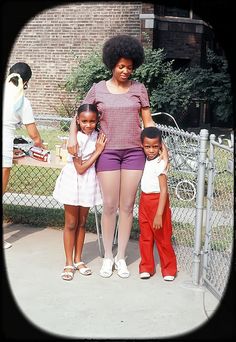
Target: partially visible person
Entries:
(78, 189)
(154, 210)
(123, 103)
(16, 109)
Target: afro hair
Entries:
(122, 46)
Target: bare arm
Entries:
(34, 134)
(72, 145)
(81, 166)
(147, 118)
(157, 223)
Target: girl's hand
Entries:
(157, 222)
(101, 142)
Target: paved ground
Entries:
(94, 307)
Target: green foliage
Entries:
(169, 90)
(90, 70)
(213, 84)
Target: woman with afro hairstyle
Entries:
(120, 102)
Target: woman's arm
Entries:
(72, 145)
(157, 223)
(81, 166)
(34, 134)
(147, 118)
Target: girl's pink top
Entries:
(119, 113)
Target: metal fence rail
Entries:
(197, 209)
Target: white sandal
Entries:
(121, 267)
(107, 266)
(83, 270)
(68, 275)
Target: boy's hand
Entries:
(101, 142)
(157, 223)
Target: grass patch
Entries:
(49, 135)
(40, 217)
(32, 180)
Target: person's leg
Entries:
(129, 184)
(146, 239)
(164, 246)
(80, 233)
(71, 222)
(5, 178)
(110, 187)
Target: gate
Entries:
(217, 251)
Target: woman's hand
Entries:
(72, 145)
(72, 149)
(165, 155)
(101, 142)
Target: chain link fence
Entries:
(29, 199)
(218, 245)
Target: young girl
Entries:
(78, 189)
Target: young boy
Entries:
(154, 211)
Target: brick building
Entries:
(50, 41)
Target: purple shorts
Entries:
(128, 159)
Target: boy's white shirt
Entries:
(152, 170)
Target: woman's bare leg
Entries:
(80, 233)
(129, 184)
(110, 187)
(71, 222)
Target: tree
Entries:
(169, 90)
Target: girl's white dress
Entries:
(75, 189)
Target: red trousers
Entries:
(162, 237)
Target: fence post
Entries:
(211, 169)
(199, 205)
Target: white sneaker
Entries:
(144, 275)
(6, 245)
(106, 270)
(169, 278)
(121, 267)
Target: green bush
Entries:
(169, 90)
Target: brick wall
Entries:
(50, 40)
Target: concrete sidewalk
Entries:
(92, 306)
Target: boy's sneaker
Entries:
(144, 275)
(169, 278)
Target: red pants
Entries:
(162, 237)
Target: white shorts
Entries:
(7, 161)
(7, 147)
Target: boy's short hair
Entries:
(151, 133)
